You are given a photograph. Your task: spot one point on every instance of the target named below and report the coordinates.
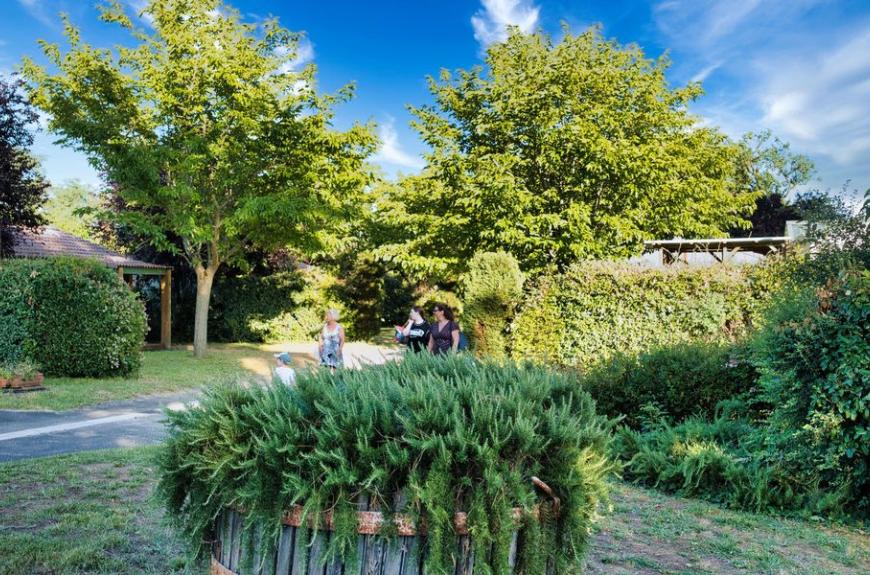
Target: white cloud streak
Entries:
(803, 74)
(391, 151)
(38, 10)
(490, 24)
(304, 55)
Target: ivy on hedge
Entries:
(73, 317)
(597, 310)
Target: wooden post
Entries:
(120, 271)
(166, 309)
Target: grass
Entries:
(89, 513)
(93, 514)
(162, 372)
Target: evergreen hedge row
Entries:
(597, 310)
(73, 317)
(451, 434)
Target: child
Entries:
(283, 372)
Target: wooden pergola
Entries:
(676, 250)
(50, 242)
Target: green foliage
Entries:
(492, 289)
(558, 151)
(362, 290)
(22, 186)
(814, 357)
(222, 144)
(448, 433)
(681, 381)
(74, 317)
(67, 208)
(429, 297)
(597, 310)
(248, 308)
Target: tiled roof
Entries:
(50, 242)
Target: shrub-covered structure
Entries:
(492, 290)
(597, 310)
(73, 317)
(450, 434)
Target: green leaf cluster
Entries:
(427, 436)
(73, 317)
(814, 357)
(558, 151)
(492, 289)
(597, 310)
(681, 381)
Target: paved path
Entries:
(26, 434)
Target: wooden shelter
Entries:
(676, 250)
(51, 242)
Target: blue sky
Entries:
(798, 67)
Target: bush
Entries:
(681, 381)
(73, 317)
(814, 357)
(598, 310)
(449, 433)
(245, 308)
(492, 288)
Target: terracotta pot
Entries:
(35, 382)
(4, 383)
(16, 382)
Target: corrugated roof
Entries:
(51, 242)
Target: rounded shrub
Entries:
(492, 289)
(448, 434)
(680, 381)
(73, 317)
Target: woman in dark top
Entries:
(445, 332)
(416, 331)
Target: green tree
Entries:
(208, 131)
(22, 187)
(69, 208)
(559, 151)
(768, 167)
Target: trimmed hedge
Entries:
(680, 381)
(451, 434)
(73, 317)
(598, 310)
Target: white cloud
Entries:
(39, 10)
(138, 7)
(822, 103)
(490, 24)
(391, 151)
(796, 67)
(304, 55)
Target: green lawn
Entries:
(94, 513)
(162, 372)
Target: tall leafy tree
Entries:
(208, 131)
(768, 167)
(22, 187)
(69, 208)
(559, 151)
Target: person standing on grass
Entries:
(415, 332)
(332, 342)
(445, 333)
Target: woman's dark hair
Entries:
(448, 313)
(418, 309)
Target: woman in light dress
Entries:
(332, 342)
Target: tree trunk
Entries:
(204, 279)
